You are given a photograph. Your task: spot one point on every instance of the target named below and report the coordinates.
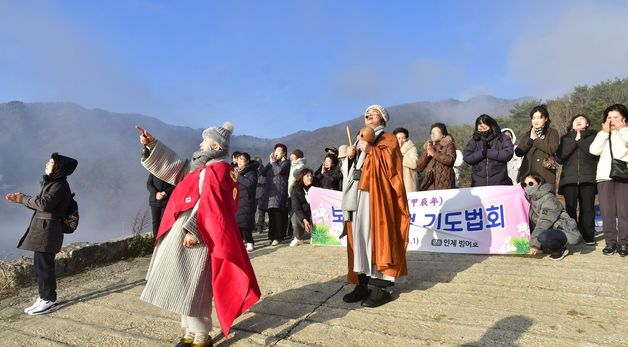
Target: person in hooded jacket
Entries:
(247, 181)
(515, 162)
(552, 230)
(297, 163)
(437, 160)
(488, 152)
(577, 179)
(44, 235)
(537, 146)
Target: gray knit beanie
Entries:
(220, 134)
(381, 110)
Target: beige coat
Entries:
(410, 174)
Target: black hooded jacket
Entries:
(45, 232)
(247, 181)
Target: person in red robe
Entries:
(376, 212)
(199, 253)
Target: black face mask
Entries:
(485, 134)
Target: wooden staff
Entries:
(349, 136)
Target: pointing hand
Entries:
(145, 136)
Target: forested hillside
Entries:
(588, 100)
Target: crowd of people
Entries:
(207, 222)
(496, 156)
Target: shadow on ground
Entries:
(505, 332)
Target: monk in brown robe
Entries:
(376, 213)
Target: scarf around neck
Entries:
(201, 158)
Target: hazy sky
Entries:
(276, 67)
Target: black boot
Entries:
(360, 292)
(377, 297)
(609, 249)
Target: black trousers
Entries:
(277, 223)
(44, 264)
(582, 195)
(289, 230)
(247, 235)
(156, 212)
(552, 240)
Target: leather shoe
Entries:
(623, 250)
(359, 293)
(378, 297)
(609, 249)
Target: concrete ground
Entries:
(447, 300)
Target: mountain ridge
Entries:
(110, 183)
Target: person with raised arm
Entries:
(199, 253)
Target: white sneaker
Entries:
(295, 242)
(43, 307)
(559, 255)
(274, 243)
(28, 309)
(249, 247)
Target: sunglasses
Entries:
(369, 116)
(524, 184)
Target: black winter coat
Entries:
(261, 183)
(330, 179)
(247, 180)
(154, 186)
(489, 159)
(276, 190)
(579, 165)
(300, 206)
(45, 232)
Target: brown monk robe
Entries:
(389, 217)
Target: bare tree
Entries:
(140, 222)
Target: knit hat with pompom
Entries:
(220, 135)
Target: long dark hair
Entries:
(488, 120)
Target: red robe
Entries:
(234, 285)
